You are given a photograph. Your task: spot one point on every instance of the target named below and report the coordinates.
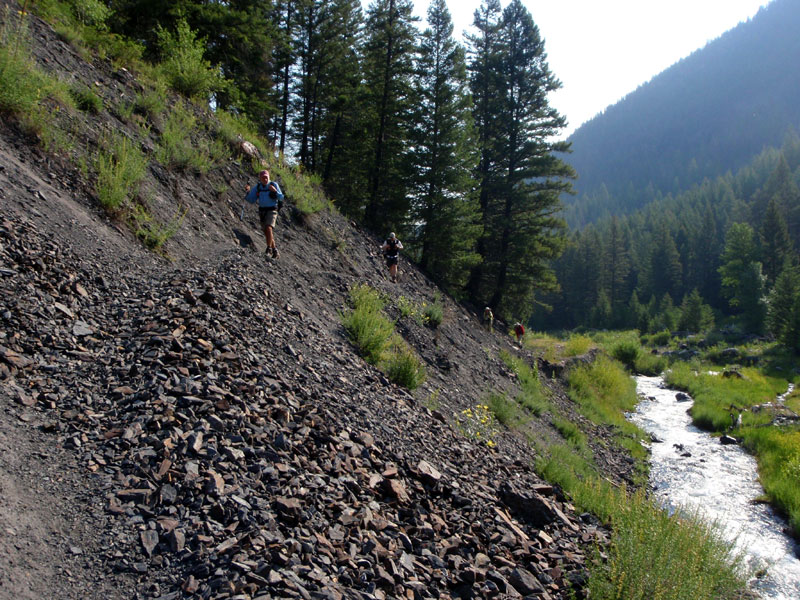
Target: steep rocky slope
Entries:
(200, 426)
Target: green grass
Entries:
(577, 345)
(372, 333)
(506, 410)
(26, 91)
(714, 395)
(531, 396)
(402, 365)
(86, 100)
(120, 166)
(778, 453)
(434, 312)
(368, 328)
(151, 103)
(655, 556)
(648, 547)
(152, 233)
(178, 150)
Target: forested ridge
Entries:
(708, 114)
(722, 253)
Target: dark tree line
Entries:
(726, 252)
(406, 129)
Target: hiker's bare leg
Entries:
(270, 237)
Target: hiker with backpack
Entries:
(488, 319)
(519, 331)
(391, 250)
(269, 198)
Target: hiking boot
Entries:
(268, 253)
(274, 253)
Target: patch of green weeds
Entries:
(570, 432)
(402, 365)
(373, 334)
(151, 103)
(120, 167)
(432, 402)
(152, 233)
(86, 99)
(578, 345)
(506, 410)
(649, 547)
(433, 312)
(177, 150)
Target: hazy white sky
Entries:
(603, 49)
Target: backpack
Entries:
(392, 247)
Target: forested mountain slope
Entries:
(710, 113)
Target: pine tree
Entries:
(781, 188)
(695, 315)
(522, 229)
(776, 246)
(486, 87)
(665, 268)
(328, 74)
(742, 280)
(443, 157)
(782, 306)
(617, 269)
(389, 56)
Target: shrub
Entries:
(577, 345)
(506, 411)
(649, 364)
(626, 352)
(21, 83)
(151, 103)
(368, 329)
(403, 367)
(434, 312)
(176, 148)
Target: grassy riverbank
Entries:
(648, 546)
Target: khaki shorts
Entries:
(268, 216)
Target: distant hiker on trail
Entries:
(519, 330)
(391, 249)
(488, 318)
(267, 194)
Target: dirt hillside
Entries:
(197, 424)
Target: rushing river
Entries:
(692, 470)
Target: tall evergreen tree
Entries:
(616, 272)
(523, 231)
(388, 73)
(783, 308)
(487, 87)
(776, 245)
(444, 209)
(666, 268)
(742, 280)
(780, 187)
